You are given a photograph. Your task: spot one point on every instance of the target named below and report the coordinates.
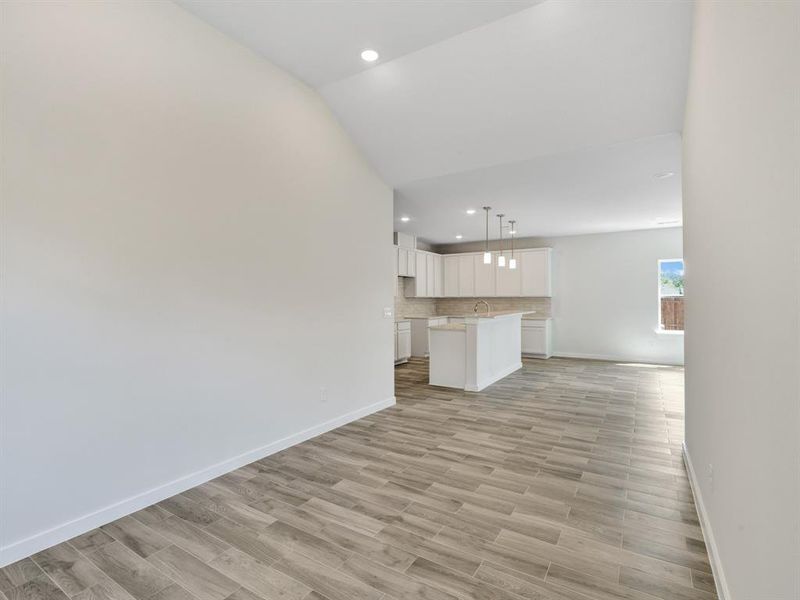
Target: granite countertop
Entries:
(530, 315)
(450, 327)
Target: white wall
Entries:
(605, 293)
(742, 228)
(192, 249)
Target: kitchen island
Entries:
(477, 353)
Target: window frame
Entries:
(659, 326)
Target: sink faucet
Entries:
(488, 308)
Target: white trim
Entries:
(614, 358)
(60, 533)
(660, 331)
(705, 525)
(497, 377)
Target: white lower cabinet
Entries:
(402, 341)
(537, 338)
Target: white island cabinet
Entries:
(475, 354)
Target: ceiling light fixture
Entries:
(459, 236)
(470, 211)
(501, 258)
(664, 175)
(512, 263)
(487, 256)
(369, 55)
(405, 219)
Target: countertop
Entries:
(532, 316)
(449, 327)
(527, 314)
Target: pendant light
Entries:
(501, 258)
(487, 256)
(512, 263)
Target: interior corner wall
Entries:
(176, 212)
(605, 295)
(742, 252)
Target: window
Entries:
(670, 294)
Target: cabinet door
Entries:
(430, 265)
(421, 278)
(484, 276)
(403, 345)
(401, 262)
(451, 275)
(509, 281)
(466, 276)
(534, 340)
(438, 276)
(535, 267)
(411, 261)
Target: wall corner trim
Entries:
(23, 548)
(705, 526)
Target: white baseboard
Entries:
(705, 525)
(55, 535)
(614, 358)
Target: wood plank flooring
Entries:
(563, 481)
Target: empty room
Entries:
(400, 299)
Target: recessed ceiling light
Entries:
(369, 55)
(405, 219)
(669, 222)
(470, 211)
(459, 236)
(513, 232)
(664, 175)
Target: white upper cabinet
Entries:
(535, 267)
(438, 276)
(421, 278)
(428, 275)
(430, 266)
(452, 275)
(466, 275)
(509, 281)
(485, 283)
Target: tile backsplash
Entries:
(411, 307)
(460, 306)
(429, 307)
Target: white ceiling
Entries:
(609, 188)
(320, 41)
(556, 112)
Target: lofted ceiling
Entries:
(604, 189)
(557, 113)
(320, 41)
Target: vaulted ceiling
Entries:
(561, 114)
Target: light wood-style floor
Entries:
(563, 481)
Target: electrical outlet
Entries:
(323, 395)
(710, 475)
(387, 312)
